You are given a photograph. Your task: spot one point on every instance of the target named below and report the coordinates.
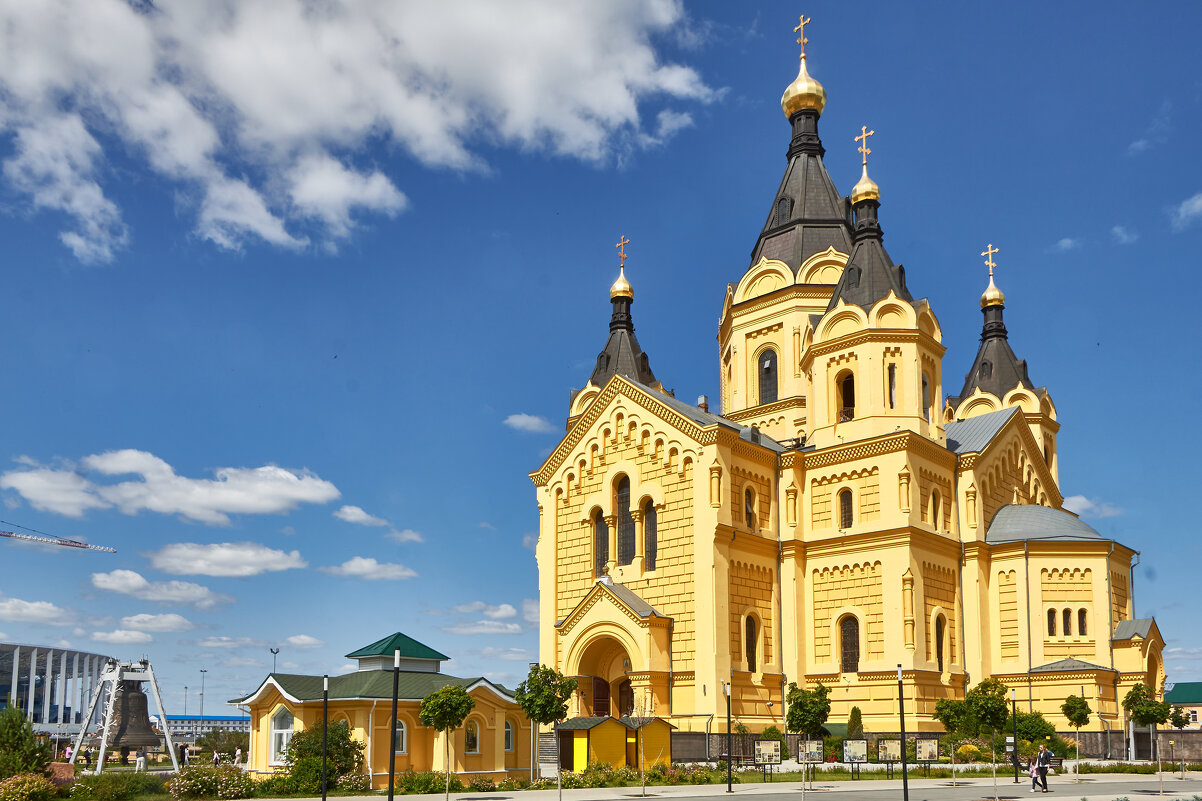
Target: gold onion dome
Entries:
(865, 188)
(992, 296)
(621, 288)
(803, 93)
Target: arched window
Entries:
(849, 644)
(750, 640)
(749, 509)
(853, 276)
(936, 510)
(845, 391)
(986, 369)
(892, 386)
(471, 737)
(784, 210)
(1081, 630)
(939, 629)
(767, 371)
(625, 522)
(281, 734)
(650, 535)
(400, 737)
(1051, 622)
(509, 735)
(1068, 622)
(625, 699)
(926, 397)
(845, 518)
(600, 542)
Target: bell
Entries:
(133, 727)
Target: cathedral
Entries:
(840, 516)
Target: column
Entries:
(33, 681)
(77, 691)
(62, 686)
(46, 696)
(12, 693)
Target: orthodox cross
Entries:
(621, 246)
(863, 138)
(800, 30)
(989, 262)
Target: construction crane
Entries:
(50, 539)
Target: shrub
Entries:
(773, 733)
(344, 754)
(114, 786)
(597, 774)
(20, 751)
(626, 775)
(481, 784)
(520, 783)
(304, 776)
(27, 787)
(209, 781)
(354, 783)
(427, 782)
(968, 753)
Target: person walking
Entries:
(1033, 772)
(216, 757)
(1043, 761)
(238, 757)
(87, 757)
(140, 761)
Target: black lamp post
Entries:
(729, 751)
(396, 679)
(325, 727)
(901, 710)
(1014, 714)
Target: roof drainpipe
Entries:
(960, 576)
(780, 591)
(1027, 587)
(1138, 559)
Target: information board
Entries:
(928, 750)
(767, 752)
(855, 750)
(888, 750)
(811, 751)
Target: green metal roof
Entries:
(411, 686)
(1185, 692)
(409, 647)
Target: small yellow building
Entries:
(494, 740)
(624, 741)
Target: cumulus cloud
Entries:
(258, 113)
(228, 642)
(1091, 507)
(1066, 244)
(67, 489)
(530, 541)
(508, 654)
(129, 582)
(405, 535)
(365, 567)
(1123, 235)
(1186, 213)
(490, 611)
(224, 559)
(530, 611)
(160, 623)
(484, 627)
(122, 637)
(530, 423)
(1156, 133)
(355, 514)
(41, 612)
(303, 641)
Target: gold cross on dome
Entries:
(800, 30)
(621, 246)
(863, 138)
(989, 262)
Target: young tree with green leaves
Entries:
(1144, 710)
(986, 704)
(20, 751)
(444, 710)
(344, 755)
(956, 720)
(855, 724)
(1076, 711)
(544, 697)
(807, 711)
(1179, 719)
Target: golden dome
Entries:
(803, 93)
(865, 188)
(992, 296)
(621, 287)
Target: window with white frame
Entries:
(509, 735)
(471, 737)
(400, 737)
(281, 735)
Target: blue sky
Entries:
(295, 303)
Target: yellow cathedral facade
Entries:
(842, 514)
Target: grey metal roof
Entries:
(996, 369)
(632, 600)
(704, 418)
(973, 434)
(638, 723)
(1018, 522)
(622, 354)
(1126, 629)
(583, 724)
(1069, 666)
(870, 275)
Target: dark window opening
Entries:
(768, 379)
(936, 511)
(600, 698)
(847, 397)
(1068, 622)
(892, 386)
(1051, 622)
(939, 627)
(926, 397)
(985, 370)
(853, 276)
(845, 519)
(600, 542)
(1081, 631)
(625, 522)
(650, 536)
(784, 210)
(751, 643)
(749, 509)
(849, 642)
(625, 698)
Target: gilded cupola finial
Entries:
(804, 92)
(621, 288)
(992, 296)
(865, 188)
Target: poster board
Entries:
(855, 750)
(767, 752)
(888, 750)
(928, 750)
(810, 751)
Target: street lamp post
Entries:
(185, 702)
(325, 725)
(274, 653)
(203, 671)
(396, 678)
(901, 711)
(1014, 714)
(729, 750)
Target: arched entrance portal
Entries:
(604, 679)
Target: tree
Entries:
(1141, 704)
(855, 724)
(444, 710)
(773, 733)
(544, 697)
(986, 704)
(227, 742)
(1178, 718)
(20, 751)
(957, 720)
(1076, 711)
(344, 756)
(807, 709)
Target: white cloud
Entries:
(242, 661)
(508, 654)
(1157, 131)
(1066, 244)
(405, 535)
(1123, 235)
(235, 490)
(129, 582)
(3, 636)
(122, 637)
(63, 644)
(484, 627)
(354, 514)
(349, 667)
(223, 559)
(304, 641)
(229, 642)
(257, 112)
(529, 423)
(40, 612)
(530, 541)
(365, 567)
(530, 611)
(163, 623)
(490, 611)
(488, 526)
(1091, 507)
(1187, 212)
